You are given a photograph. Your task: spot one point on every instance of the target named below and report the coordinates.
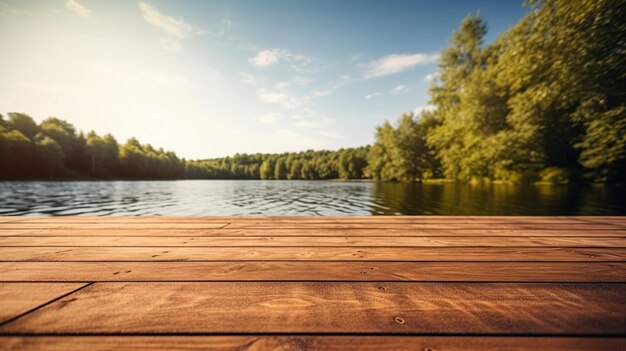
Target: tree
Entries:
(22, 123)
(280, 169)
(294, 170)
(401, 153)
(266, 171)
(17, 154)
(452, 138)
(50, 157)
(103, 153)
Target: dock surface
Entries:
(306, 283)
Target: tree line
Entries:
(545, 101)
(54, 149)
(347, 163)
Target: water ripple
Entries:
(224, 197)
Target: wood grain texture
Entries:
(433, 226)
(313, 232)
(133, 225)
(306, 342)
(389, 308)
(313, 219)
(192, 254)
(19, 298)
(299, 241)
(318, 225)
(313, 283)
(318, 271)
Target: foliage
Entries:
(547, 94)
(56, 150)
(307, 165)
(401, 153)
(544, 101)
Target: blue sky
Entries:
(212, 78)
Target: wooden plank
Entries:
(313, 271)
(425, 226)
(19, 298)
(253, 220)
(381, 308)
(10, 219)
(306, 342)
(190, 254)
(303, 232)
(350, 219)
(129, 225)
(299, 241)
(320, 225)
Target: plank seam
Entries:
(44, 304)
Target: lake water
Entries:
(242, 197)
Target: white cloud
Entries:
(395, 63)
(371, 96)
(302, 81)
(428, 108)
(265, 58)
(400, 89)
(283, 97)
(270, 57)
(291, 104)
(432, 76)
(78, 8)
(175, 29)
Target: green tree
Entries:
(103, 153)
(50, 157)
(402, 153)
(17, 154)
(266, 171)
(23, 123)
(280, 169)
(457, 64)
(295, 170)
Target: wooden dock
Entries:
(309, 283)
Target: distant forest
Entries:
(544, 102)
(54, 149)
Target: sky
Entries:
(214, 78)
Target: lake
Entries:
(249, 197)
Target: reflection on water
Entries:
(226, 197)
